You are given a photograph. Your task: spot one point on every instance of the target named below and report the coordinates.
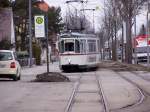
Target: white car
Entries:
(9, 66)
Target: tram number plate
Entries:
(92, 59)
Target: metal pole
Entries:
(30, 33)
(122, 42)
(147, 18)
(93, 21)
(135, 53)
(47, 53)
(148, 59)
(115, 35)
(83, 23)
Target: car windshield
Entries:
(4, 56)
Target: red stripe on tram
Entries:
(78, 54)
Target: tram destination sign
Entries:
(39, 26)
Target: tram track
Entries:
(99, 92)
(144, 94)
(135, 84)
(83, 88)
(138, 75)
(74, 92)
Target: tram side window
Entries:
(91, 46)
(82, 46)
(61, 46)
(77, 46)
(98, 45)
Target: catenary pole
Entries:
(135, 49)
(94, 20)
(30, 32)
(147, 19)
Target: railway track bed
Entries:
(87, 95)
(108, 91)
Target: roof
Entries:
(78, 35)
(6, 51)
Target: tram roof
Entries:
(78, 35)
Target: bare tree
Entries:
(77, 22)
(127, 10)
(112, 23)
(117, 11)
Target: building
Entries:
(7, 25)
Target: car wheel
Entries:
(19, 77)
(15, 78)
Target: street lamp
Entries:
(147, 19)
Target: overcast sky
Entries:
(141, 19)
(90, 4)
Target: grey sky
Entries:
(141, 19)
(90, 4)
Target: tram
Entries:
(78, 50)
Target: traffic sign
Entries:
(39, 20)
(39, 26)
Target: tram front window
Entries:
(69, 46)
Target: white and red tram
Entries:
(78, 50)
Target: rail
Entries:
(101, 92)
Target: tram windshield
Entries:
(69, 45)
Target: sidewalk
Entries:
(53, 67)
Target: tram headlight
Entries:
(69, 60)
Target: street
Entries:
(92, 91)
(107, 42)
(27, 96)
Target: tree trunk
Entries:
(129, 41)
(115, 43)
(109, 50)
(114, 58)
(122, 47)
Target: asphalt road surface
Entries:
(92, 91)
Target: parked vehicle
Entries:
(140, 48)
(78, 50)
(9, 66)
(140, 53)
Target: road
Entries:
(93, 91)
(27, 96)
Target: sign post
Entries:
(47, 43)
(41, 27)
(41, 31)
